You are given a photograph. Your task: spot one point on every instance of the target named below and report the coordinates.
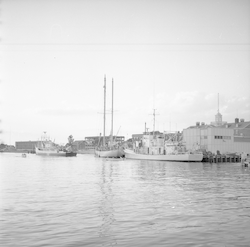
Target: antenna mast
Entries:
(112, 111)
(104, 113)
(154, 122)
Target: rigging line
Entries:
(129, 44)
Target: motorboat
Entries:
(46, 147)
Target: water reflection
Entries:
(150, 170)
(106, 209)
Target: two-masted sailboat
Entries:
(110, 149)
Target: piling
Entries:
(214, 158)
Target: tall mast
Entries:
(112, 111)
(104, 113)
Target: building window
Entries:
(223, 137)
(217, 137)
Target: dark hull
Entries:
(71, 154)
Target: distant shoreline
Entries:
(17, 151)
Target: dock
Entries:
(221, 159)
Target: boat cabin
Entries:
(158, 144)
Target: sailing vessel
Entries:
(46, 147)
(161, 147)
(112, 148)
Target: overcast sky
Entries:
(172, 56)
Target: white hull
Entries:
(50, 152)
(116, 153)
(129, 154)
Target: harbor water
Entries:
(89, 201)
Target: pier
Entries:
(221, 158)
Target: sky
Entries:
(174, 56)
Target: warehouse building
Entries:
(219, 136)
(28, 146)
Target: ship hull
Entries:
(116, 153)
(54, 153)
(188, 157)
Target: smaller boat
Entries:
(245, 160)
(46, 147)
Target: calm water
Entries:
(88, 201)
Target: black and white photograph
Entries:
(124, 123)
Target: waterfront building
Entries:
(7, 148)
(84, 146)
(219, 136)
(80, 144)
(28, 146)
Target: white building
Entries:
(219, 136)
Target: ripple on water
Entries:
(97, 202)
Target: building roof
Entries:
(239, 125)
